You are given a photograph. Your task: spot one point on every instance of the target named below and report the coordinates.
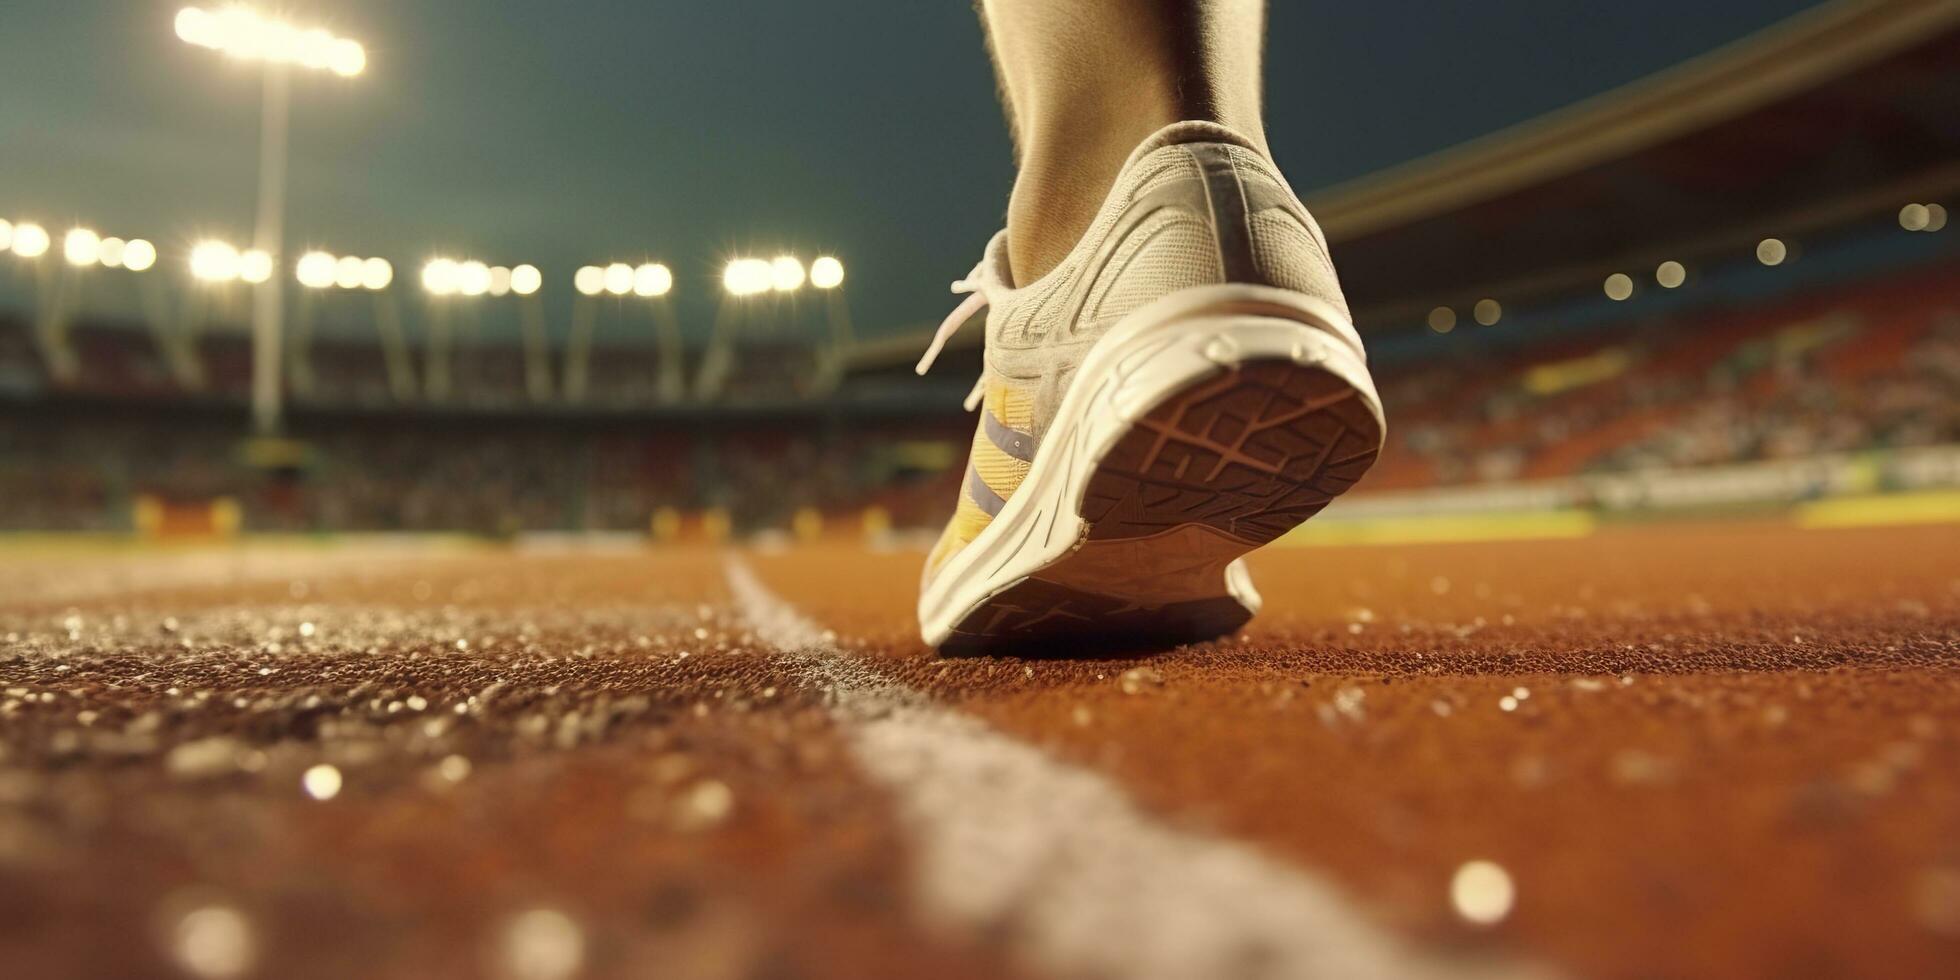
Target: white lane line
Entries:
(1007, 841)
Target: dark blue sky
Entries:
(565, 133)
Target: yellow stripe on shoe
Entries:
(1002, 450)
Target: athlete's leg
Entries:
(1086, 80)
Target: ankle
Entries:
(1067, 168)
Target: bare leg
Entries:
(1086, 80)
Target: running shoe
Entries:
(1183, 388)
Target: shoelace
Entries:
(974, 286)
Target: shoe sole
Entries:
(1201, 427)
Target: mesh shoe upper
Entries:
(1195, 205)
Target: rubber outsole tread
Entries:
(1250, 451)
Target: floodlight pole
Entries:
(269, 230)
(537, 348)
(435, 369)
(716, 357)
(578, 347)
(667, 332)
(394, 346)
(841, 339)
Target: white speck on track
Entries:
(1009, 841)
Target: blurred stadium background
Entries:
(1730, 286)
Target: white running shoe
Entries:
(1180, 390)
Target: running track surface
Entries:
(1717, 751)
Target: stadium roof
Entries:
(1832, 116)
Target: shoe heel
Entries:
(1251, 450)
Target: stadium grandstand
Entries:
(1733, 283)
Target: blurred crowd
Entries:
(1875, 367)
(1870, 367)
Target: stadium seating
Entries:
(1872, 365)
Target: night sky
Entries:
(568, 133)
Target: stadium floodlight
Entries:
(525, 280)
(747, 277)
(376, 274)
(348, 271)
(1772, 251)
(1670, 274)
(472, 278)
(1618, 286)
(139, 255)
(323, 270)
(1913, 217)
(652, 279)
(619, 279)
(254, 266)
(239, 32)
(590, 280)
(242, 33)
(31, 241)
(499, 280)
(826, 273)
(1442, 319)
(1935, 217)
(315, 270)
(441, 277)
(214, 261)
(786, 274)
(81, 246)
(1487, 312)
(111, 252)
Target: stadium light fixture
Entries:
(619, 279)
(242, 33)
(111, 252)
(786, 274)
(826, 272)
(254, 266)
(376, 274)
(1442, 319)
(472, 278)
(214, 261)
(1618, 286)
(323, 270)
(1670, 274)
(139, 255)
(315, 270)
(1487, 312)
(30, 240)
(1772, 251)
(652, 279)
(1913, 217)
(1935, 217)
(747, 277)
(81, 247)
(348, 271)
(441, 277)
(590, 280)
(449, 277)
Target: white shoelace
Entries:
(974, 285)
